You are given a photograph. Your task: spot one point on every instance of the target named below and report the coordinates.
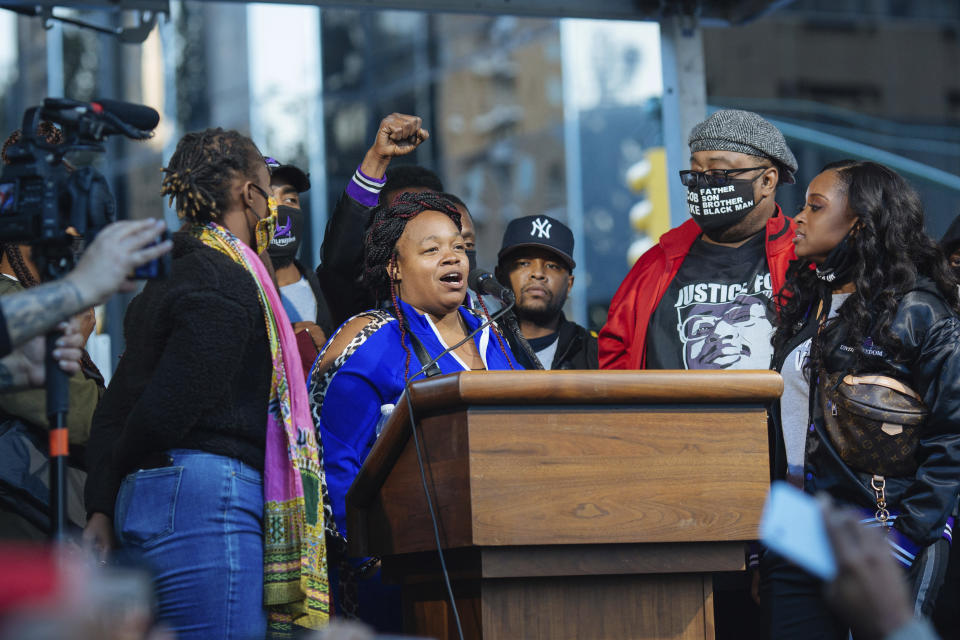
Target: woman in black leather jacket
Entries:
(870, 293)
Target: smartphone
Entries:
(156, 268)
(792, 525)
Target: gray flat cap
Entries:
(744, 132)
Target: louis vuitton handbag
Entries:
(873, 421)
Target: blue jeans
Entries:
(199, 524)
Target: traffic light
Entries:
(650, 216)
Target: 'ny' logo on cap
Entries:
(541, 228)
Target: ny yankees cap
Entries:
(539, 231)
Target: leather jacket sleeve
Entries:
(930, 334)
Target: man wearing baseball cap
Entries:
(536, 262)
(702, 298)
(300, 292)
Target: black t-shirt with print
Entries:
(717, 312)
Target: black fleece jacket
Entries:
(195, 373)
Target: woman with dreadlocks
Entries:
(867, 343)
(24, 510)
(204, 449)
(415, 259)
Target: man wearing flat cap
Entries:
(702, 298)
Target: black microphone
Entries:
(483, 282)
(135, 115)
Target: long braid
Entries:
(403, 329)
(496, 332)
(20, 268)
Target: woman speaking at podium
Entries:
(415, 260)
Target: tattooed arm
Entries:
(102, 271)
(36, 311)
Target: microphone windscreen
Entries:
(135, 115)
(475, 278)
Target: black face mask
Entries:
(287, 237)
(719, 208)
(472, 259)
(837, 269)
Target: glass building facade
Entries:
(527, 115)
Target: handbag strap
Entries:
(883, 381)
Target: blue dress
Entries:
(347, 398)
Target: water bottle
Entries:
(385, 411)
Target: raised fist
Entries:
(398, 135)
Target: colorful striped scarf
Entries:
(295, 585)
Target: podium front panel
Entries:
(612, 474)
(550, 475)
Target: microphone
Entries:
(135, 115)
(483, 282)
(483, 325)
(108, 112)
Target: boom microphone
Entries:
(136, 115)
(130, 114)
(484, 282)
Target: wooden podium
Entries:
(570, 504)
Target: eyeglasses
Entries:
(711, 178)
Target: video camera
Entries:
(50, 205)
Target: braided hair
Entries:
(45, 130)
(202, 168)
(386, 225)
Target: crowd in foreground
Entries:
(253, 386)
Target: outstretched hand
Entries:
(109, 261)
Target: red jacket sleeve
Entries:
(622, 338)
(615, 336)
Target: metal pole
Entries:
(55, 60)
(574, 171)
(317, 148)
(684, 100)
(56, 387)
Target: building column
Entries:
(684, 100)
